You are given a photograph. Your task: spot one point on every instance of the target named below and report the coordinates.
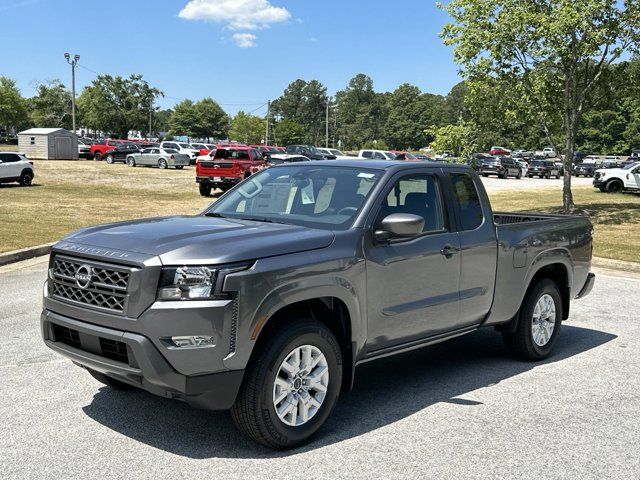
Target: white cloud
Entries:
(237, 14)
(244, 40)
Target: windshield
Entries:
(538, 163)
(390, 155)
(630, 166)
(185, 145)
(325, 197)
(336, 152)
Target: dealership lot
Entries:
(458, 410)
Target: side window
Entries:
(467, 202)
(367, 154)
(10, 158)
(111, 144)
(3, 157)
(418, 195)
(379, 156)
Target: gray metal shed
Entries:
(48, 144)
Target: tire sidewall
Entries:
(26, 179)
(322, 339)
(162, 164)
(545, 287)
(109, 159)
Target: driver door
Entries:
(412, 284)
(633, 178)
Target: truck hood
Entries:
(199, 239)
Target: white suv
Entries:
(15, 167)
(182, 147)
(376, 154)
(614, 180)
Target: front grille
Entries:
(114, 350)
(66, 335)
(90, 283)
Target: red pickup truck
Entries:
(99, 149)
(227, 167)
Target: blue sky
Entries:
(237, 52)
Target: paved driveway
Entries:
(462, 409)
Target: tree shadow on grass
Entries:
(386, 391)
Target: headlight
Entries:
(193, 283)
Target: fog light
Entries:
(194, 341)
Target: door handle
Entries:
(448, 251)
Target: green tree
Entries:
(51, 107)
(361, 112)
(13, 108)
(117, 105)
(247, 128)
(287, 132)
(184, 119)
(557, 50)
(213, 122)
(457, 138)
(304, 103)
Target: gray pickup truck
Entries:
(267, 302)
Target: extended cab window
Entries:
(417, 195)
(467, 202)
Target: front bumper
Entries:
(143, 365)
(598, 183)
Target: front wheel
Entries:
(131, 162)
(291, 386)
(614, 186)
(162, 164)
(539, 321)
(97, 156)
(109, 159)
(519, 175)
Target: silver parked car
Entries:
(159, 157)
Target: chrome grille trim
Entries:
(107, 289)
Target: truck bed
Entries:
(526, 241)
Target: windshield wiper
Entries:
(260, 219)
(214, 214)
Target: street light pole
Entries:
(326, 126)
(73, 86)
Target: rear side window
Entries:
(467, 202)
(9, 157)
(367, 154)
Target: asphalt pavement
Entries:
(461, 409)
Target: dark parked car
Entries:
(267, 301)
(585, 170)
(543, 169)
(121, 152)
(503, 167)
(310, 152)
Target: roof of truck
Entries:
(382, 164)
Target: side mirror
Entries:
(399, 225)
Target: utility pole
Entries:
(266, 136)
(326, 125)
(73, 86)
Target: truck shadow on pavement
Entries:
(385, 392)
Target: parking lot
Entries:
(462, 409)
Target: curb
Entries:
(24, 254)
(616, 265)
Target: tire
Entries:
(26, 178)
(111, 382)
(254, 412)
(109, 159)
(205, 190)
(131, 162)
(547, 175)
(162, 164)
(179, 167)
(97, 156)
(485, 174)
(522, 343)
(557, 177)
(614, 186)
(519, 176)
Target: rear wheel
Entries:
(26, 179)
(539, 322)
(111, 382)
(97, 156)
(291, 386)
(205, 190)
(614, 186)
(162, 163)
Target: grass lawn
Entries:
(67, 195)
